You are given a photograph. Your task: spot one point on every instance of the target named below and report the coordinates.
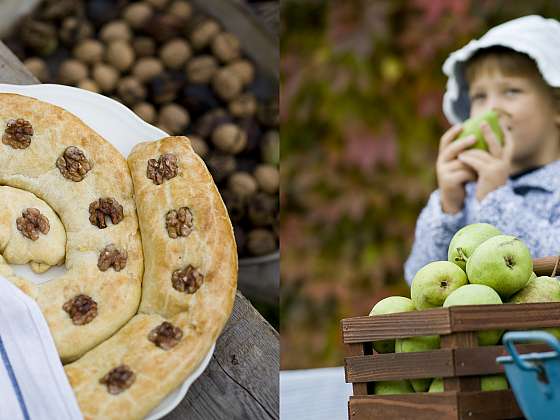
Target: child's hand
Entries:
(493, 168)
(452, 174)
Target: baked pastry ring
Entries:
(189, 285)
(190, 257)
(35, 157)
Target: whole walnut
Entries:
(245, 105)
(39, 36)
(89, 84)
(201, 69)
(144, 46)
(262, 209)
(146, 111)
(158, 4)
(74, 29)
(268, 178)
(131, 91)
(175, 53)
(164, 87)
(202, 34)
(181, 9)
(120, 55)
(199, 145)
(146, 68)
(137, 14)
(226, 47)
(117, 30)
(244, 69)
(220, 166)
(38, 68)
(206, 124)
(199, 99)
(89, 51)
(163, 27)
(229, 138)
(226, 84)
(242, 184)
(261, 242)
(72, 71)
(174, 117)
(105, 76)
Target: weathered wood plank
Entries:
(356, 350)
(400, 325)
(506, 316)
(423, 406)
(392, 366)
(12, 70)
(482, 360)
(467, 340)
(487, 405)
(545, 266)
(241, 380)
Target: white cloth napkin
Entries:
(533, 35)
(33, 384)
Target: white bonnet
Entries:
(533, 35)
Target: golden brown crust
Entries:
(199, 308)
(34, 169)
(201, 315)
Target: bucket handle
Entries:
(512, 337)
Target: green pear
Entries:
(493, 383)
(473, 127)
(466, 239)
(503, 263)
(392, 387)
(540, 290)
(434, 282)
(487, 383)
(390, 305)
(477, 294)
(415, 344)
(436, 385)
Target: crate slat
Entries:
(357, 350)
(400, 325)
(544, 266)
(486, 405)
(453, 341)
(482, 360)
(392, 366)
(506, 316)
(440, 406)
(476, 405)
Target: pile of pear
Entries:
(484, 266)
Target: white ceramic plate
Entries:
(124, 129)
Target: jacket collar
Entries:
(546, 178)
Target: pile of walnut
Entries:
(179, 70)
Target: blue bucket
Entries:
(534, 377)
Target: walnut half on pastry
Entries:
(30, 231)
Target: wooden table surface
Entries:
(241, 381)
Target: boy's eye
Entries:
(477, 96)
(513, 91)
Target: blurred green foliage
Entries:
(361, 119)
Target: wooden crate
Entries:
(459, 360)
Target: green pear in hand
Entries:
(472, 127)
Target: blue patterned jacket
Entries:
(527, 206)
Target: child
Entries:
(515, 69)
